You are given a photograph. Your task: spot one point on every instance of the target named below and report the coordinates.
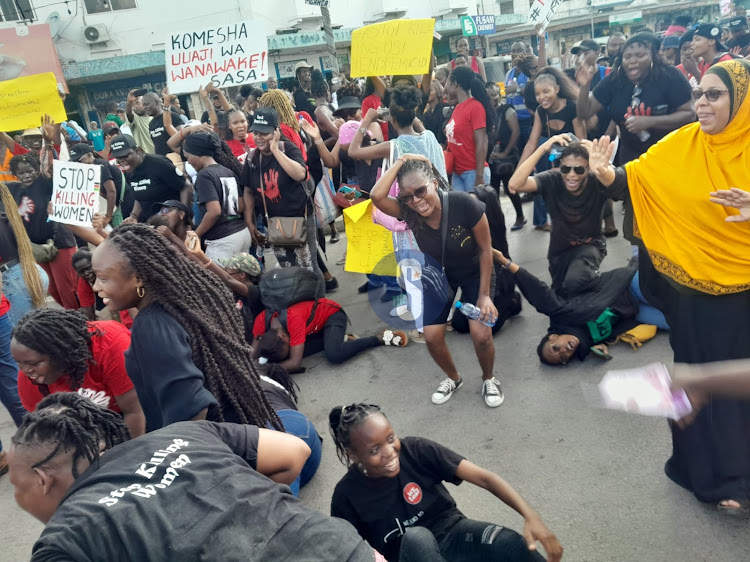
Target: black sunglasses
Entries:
(712, 94)
(580, 170)
(635, 101)
(420, 192)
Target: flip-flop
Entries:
(394, 337)
(743, 509)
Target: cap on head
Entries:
(671, 42)
(711, 31)
(34, 132)
(585, 45)
(121, 145)
(173, 204)
(738, 23)
(242, 262)
(348, 102)
(78, 150)
(266, 120)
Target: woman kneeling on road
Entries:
(465, 256)
(394, 495)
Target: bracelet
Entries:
(209, 262)
(363, 130)
(507, 265)
(108, 216)
(319, 141)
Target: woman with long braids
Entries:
(59, 351)
(190, 491)
(467, 129)
(188, 359)
(394, 495)
(288, 118)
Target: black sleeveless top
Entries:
(566, 115)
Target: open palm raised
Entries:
(736, 198)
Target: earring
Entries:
(362, 468)
(140, 291)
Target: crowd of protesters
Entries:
(201, 285)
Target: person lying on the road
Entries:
(287, 340)
(190, 491)
(394, 495)
(582, 324)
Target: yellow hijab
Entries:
(685, 234)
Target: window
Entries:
(100, 6)
(17, 10)
(506, 7)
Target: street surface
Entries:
(595, 476)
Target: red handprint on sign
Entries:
(26, 208)
(271, 183)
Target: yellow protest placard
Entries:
(367, 243)
(392, 47)
(24, 101)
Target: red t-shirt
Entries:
(85, 293)
(373, 101)
(296, 320)
(705, 65)
(467, 118)
(239, 148)
(126, 319)
(106, 377)
(4, 306)
(474, 64)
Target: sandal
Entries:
(612, 233)
(742, 508)
(546, 227)
(394, 337)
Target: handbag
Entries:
(503, 166)
(283, 232)
(44, 253)
(326, 210)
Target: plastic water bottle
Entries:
(471, 311)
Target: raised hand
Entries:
(563, 139)
(585, 74)
(372, 116)
(735, 198)
(50, 130)
(600, 155)
(310, 129)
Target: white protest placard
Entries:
(227, 55)
(542, 12)
(75, 194)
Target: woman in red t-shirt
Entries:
(59, 351)
(466, 131)
(239, 142)
(477, 66)
(288, 344)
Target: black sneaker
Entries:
(331, 285)
(446, 390)
(334, 237)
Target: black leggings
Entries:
(514, 198)
(331, 341)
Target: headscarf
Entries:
(201, 144)
(685, 234)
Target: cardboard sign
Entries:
(367, 243)
(24, 101)
(26, 50)
(542, 12)
(227, 55)
(75, 195)
(392, 47)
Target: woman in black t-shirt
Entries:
(33, 193)
(394, 496)
(465, 256)
(222, 228)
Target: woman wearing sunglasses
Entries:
(574, 199)
(695, 225)
(465, 256)
(644, 97)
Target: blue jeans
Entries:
(468, 541)
(647, 314)
(14, 288)
(297, 424)
(9, 374)
(540, 210)
(465, 180)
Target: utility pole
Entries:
(330, 43)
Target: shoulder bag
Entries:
(283, 232)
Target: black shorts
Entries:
(436, 310)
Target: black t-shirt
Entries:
(218, 183)
(743, 42)
(285, 197)
(433, 121)
(8, 245)
(159, 135)
(304, 101)
(190, 492)
(566, 115)
(32, 205)
(575, 219)
(381, 509)
(110, 172)
(159, 361)
(154, 181)
(277, 396)
(461, 250)
(662, 94)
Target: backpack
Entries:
(282, 287)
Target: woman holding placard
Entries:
(53, 245)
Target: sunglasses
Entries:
(635, 101)
(579, 170)
(711, 94)
(167, 210)
(420, 192)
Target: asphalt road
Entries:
(595, 476)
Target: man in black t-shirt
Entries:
(303, 98)
(158, 128)
(740, 37)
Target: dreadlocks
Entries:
(67, 420)
(61, 335)
(204, 308)
(277, 100)
(25, 256)
(342, 420)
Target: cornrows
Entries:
(205, 309)
(342, 420)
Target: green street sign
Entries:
(468, 27)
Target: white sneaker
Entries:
(493, 394)
(446, 390)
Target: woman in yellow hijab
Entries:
(691, 213)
